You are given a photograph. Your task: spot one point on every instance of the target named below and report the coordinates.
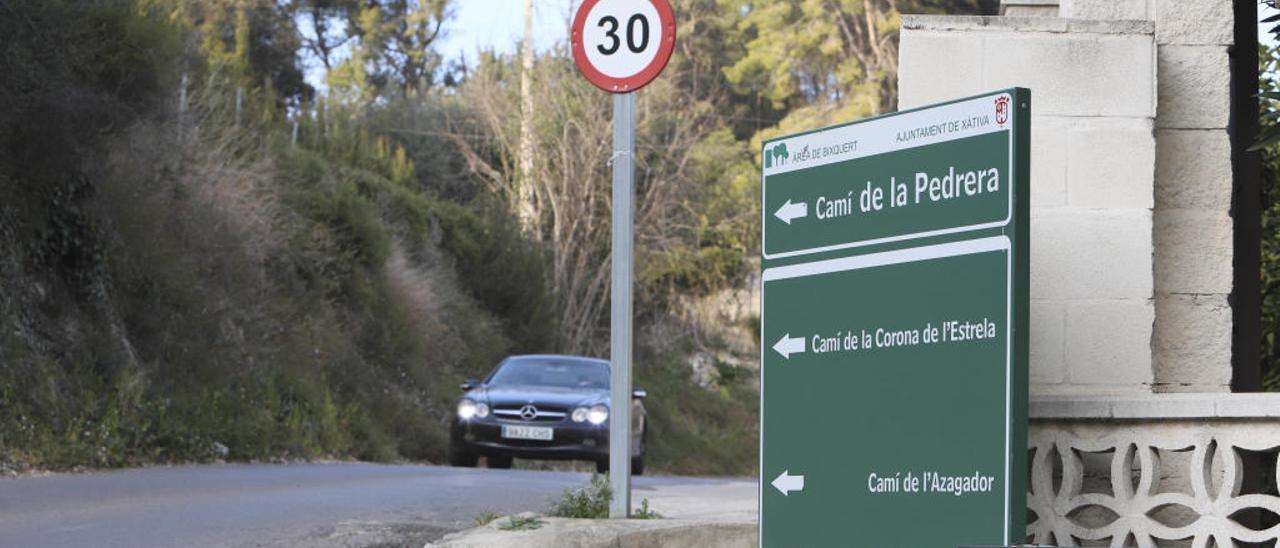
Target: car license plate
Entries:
(527, 432)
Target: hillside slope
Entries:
(187, 276)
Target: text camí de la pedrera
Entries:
(926, 188)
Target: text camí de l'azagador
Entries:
(930, 482)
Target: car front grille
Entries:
(539, 414)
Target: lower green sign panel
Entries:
(883, 376)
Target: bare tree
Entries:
(571, 133)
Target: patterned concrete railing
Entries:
(1195, 470)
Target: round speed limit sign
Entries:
(621, 45)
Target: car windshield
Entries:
(552, 372)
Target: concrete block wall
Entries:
(1094, 154)
(1193, 229)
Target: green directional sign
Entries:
(894, 327)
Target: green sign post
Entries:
(894, 329)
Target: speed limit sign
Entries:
(621, 45)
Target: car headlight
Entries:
(482, 410)
(597, 414)
(579, 414)
(468, 409)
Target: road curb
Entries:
(602, 533)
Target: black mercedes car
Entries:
(542, 407)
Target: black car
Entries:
(542, 407)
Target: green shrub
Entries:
(592, 502)
(588, 502)
(644, 512)
(485, 518)
(521, 523)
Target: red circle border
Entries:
(666, 16)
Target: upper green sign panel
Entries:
(917, 174)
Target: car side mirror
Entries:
(469, 384)
(639, 393)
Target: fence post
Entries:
(239, 101)
(182, 105)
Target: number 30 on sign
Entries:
(621, 45)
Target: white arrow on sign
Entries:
(788, 346)
(786, 483)
(790, 211)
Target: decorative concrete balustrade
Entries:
(1194, 470)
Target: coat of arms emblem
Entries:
(1002, 109)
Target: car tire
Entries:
(637, 461)
(637, 466)
(462, 459)
(502, 463)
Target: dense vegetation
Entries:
(203, 257)
(1269, 97)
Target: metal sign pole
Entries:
(624, 110)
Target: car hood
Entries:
(539, 395)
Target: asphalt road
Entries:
(322, 505)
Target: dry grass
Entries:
(415, 287)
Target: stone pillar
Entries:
(1093, 88)
(1105, 9)
(1029, 8)
(1131, 259)
(1193, 234)
(1193, 230)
